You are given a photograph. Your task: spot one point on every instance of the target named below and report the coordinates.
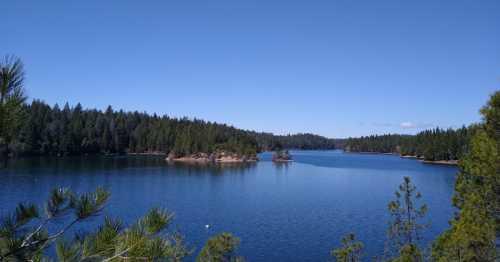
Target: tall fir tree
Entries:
(474, 231)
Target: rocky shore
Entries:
(441, 162)
(372, 153)
(216, 157)
(421, 159)
(153, 153)
(411, 157)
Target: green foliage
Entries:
(156, 220)
(24, 235)
(25, 212)
(491, 116)
(66, 252)
(12, 97)
(59, 201)
(435, 144)
(220, 248)
(268, 141)
(89, 204)
(409, 253)
(375, 143)
(479, 175)
(471, 236)
(140, 241)
(102, 242)
(405, 227)
(473, 233)
(350, 251)
(76, 131)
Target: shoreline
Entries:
(433, 162)
(410, 157)
(208, 161)
(441, 162)
(209, 158)
(369, 153)
(421, 159)
(147, 154)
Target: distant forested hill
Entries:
(268, 141)
(51, 130)
(434, 144)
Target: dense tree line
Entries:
(47, 130)
(376, 143)
(434, 144)
(269, 141)
(50, 130)
(438, 144)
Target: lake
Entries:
(281, 212)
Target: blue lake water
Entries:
(281, 212)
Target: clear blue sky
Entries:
(335, 68)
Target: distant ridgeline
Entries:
(50, 130)
(269, 141)
(432, 145)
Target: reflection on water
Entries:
(214, 168)
(102, 163)
(281, 211)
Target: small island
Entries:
(282, 156)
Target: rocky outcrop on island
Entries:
(282, 156)
(214, 157)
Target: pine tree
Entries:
(405, 227)
(350, 251)
(12, 97)
(220, 248)
(27, 233)
(473, 233)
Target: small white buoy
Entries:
(207, 226)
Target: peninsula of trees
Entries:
(430, 145)
(54, 131)
(69, 130)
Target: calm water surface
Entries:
(285, 212)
